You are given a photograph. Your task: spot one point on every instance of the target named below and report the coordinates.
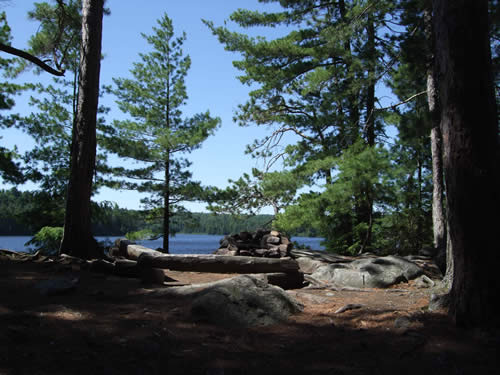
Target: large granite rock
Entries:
(369, 272)
(243, 301)
(357, 272)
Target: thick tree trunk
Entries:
(438, 217)
(470, 140)
(77, 239)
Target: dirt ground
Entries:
(115, 325)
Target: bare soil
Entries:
(115, 325)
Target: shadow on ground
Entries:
(110, 325)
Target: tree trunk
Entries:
(438, 217)
(365, 211)
(166, 210)
(470, 142)
(351, 131)
(370, 95)
(77, 239)
(420, 217)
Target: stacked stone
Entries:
(262, 243)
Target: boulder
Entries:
(369, 272)
(243, 301)
(308, 265)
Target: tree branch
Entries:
(393, 106)
(31, 58)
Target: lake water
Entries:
(179, 244)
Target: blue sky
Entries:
(211, 81)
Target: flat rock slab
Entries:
(367, 271)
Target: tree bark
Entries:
(365, 210)
(77, 239)
(438, 217)
(166, 208)
(224, 264)
(207, 263)
(470, 141)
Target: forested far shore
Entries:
(24, 213)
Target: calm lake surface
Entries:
(179, 244)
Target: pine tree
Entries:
(318, 83)
(77, 239)
(54, 106)
(156, 134)
(471, 153)
(10, 170)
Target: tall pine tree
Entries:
(317, 82)
(77, 239)
(156, 134)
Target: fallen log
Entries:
(206, 263)
(220, 263)
(132, 251)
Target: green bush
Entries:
(139, 235)
(47, 240)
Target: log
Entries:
(132, 251)
(206, 263)
(126, 268)
(224, 264)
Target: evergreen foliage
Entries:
(10, 170)
(318, 83)
(22, 213)
(329, 169)
(51, 125)
(47, 240)
(155, 134)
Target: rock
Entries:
(245, 236)
(57, 286)
(260, 252)
(262, 243)
(402, 322)
(269, 239)
(308, 265)
(286, 241)
(439, 302)
(312, 298)
(349, 306)
(424, 282)
(370, 272)
(243, 301)
(283, 250)
(225, 251)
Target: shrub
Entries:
(143, 234)
(47, 240)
